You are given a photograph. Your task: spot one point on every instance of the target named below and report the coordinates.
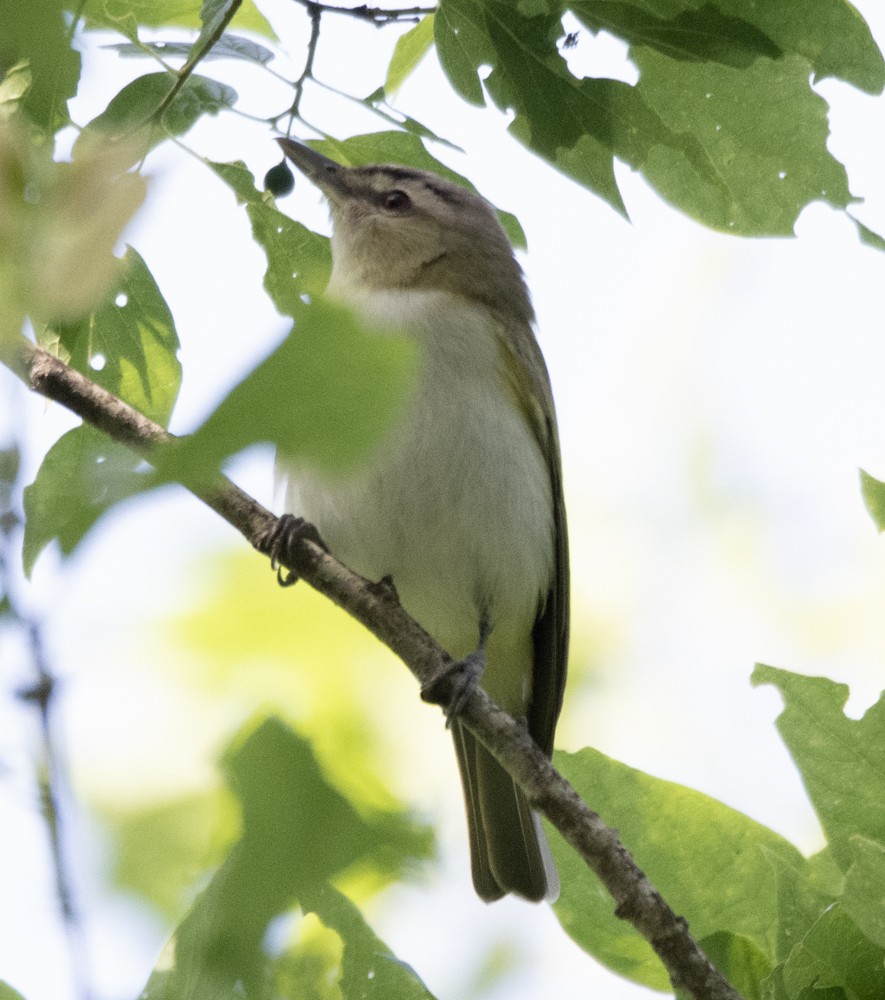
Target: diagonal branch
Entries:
(377, 608)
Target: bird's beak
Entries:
(330, 177)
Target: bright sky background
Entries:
(715, 398)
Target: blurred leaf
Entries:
(369, 969)
(740, 960)
(227, 47)
(864, 898)
(708, 861)
(60, 222)
(257, 644)
(408, 150)
(297, 832)
(409, 50)
(298, 260)
(129, 345)
(131, 113)
(37, 32)
(873, 492)
(325, 397)
(162, 850)
(82, 475)
(8, 993)
(120, 14)
(842, 760)
(834, 953)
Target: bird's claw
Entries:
(453, 685)
(278, 541)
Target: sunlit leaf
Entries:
(118, 14)
(873, 491)
(409, 50)
(129, 344)
(708, 861)
(740, 960)
(842, 760)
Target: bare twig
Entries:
(40, 693)
(316, 16)
(363, 12)
(377, 607)
(182, 75)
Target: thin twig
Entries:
(182, 75)
(375, 15)
(377, 607)
(41, 694)
(316, 16)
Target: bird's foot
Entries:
(453, 685)
(278, 542)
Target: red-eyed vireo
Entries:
(462, 506)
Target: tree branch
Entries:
(376, 606)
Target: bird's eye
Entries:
(396, 201)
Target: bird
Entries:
(461, 506)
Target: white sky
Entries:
(715, 398)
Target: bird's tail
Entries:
(508, 849)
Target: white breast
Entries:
(456, 504)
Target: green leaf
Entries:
(710, 863)
(864, 897)
(37, 33)
(800, 902)
(408, 150)
(298, 831)
(298, 260)
(705, 33)
(740, 960)
(118, 15)
(159, 848)
(8, 993)
(763, 131)
(724, 127)
(133, 110)
(82, 475)
(842, 760)
(369, 969)
(835, 953)
(325, 397)
(129, 345)
(227, 47)
(409, 50)
(867, 235)
(873, 491)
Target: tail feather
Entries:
(508, 849)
